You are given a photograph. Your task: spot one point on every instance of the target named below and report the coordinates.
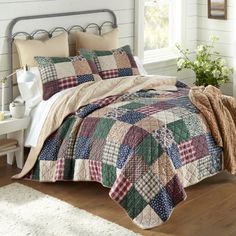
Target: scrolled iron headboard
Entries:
(11, 36)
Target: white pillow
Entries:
(141, 69)
(31, 92)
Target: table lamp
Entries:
(25, 77)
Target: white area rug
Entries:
(25, 211)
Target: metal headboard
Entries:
(11, 35)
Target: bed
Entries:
(138, 135)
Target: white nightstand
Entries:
(14, 129)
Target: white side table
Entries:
(14, 129)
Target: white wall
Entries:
(9, 9)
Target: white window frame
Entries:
(178, 11)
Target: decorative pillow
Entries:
(107, 41)
(114, 63)
(59, 73)
(57, 46)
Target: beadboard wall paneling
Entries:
(9, 9)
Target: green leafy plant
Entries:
(209, 67)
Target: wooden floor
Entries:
(210, 208)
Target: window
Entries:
(159, 25)
(156, 24)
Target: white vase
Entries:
(17, 109)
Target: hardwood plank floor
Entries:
(210, 208)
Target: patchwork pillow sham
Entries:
(59, 73)
(112, 63)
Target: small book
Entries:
(7, 148)
(7, 143)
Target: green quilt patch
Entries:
(133, 202)
(66, 127)
(179, 130)
(149, 149)
(108, 175)
(132, 106)
(69, 167)
(103, 128)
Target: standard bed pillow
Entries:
(59, 73)
(107, 41)
(140, 66)
(114, 63)
(57, 46)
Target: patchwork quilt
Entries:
(146, 146)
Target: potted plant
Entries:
(209, 67)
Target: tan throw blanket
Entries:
(220, 112)
(87, 93)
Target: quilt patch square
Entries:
(120, 188)
(108, 74)
(103, 128)
(200, 146)
(148, 185)
(132, 106)
(108, 175)
(64, 69)
(134, 136)
(84, 78)
(88, 126)
(149, 149)
(149, 124)
(69, 167)
(175, 190)
(187, 152)
(47, 170)
(163, 168)
(148, 110)
(82, 67)
(162, 204)
(125, 72)
(211, 144)
(193, 124)
(132, 117)
(68, 83)
(107, 63)
(179, 130)
(134, 168)
(49, 73)
(133, 202)
(97, 149)
(122, 61)
(60, 163)
(95, 168)
(82, 148)
(173, 153)
(118, 132)
(166, 116)
(81, 171)
(124, 153)
(164, 136)
(110, 153)
(50, 149)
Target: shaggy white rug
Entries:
(25, 211)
